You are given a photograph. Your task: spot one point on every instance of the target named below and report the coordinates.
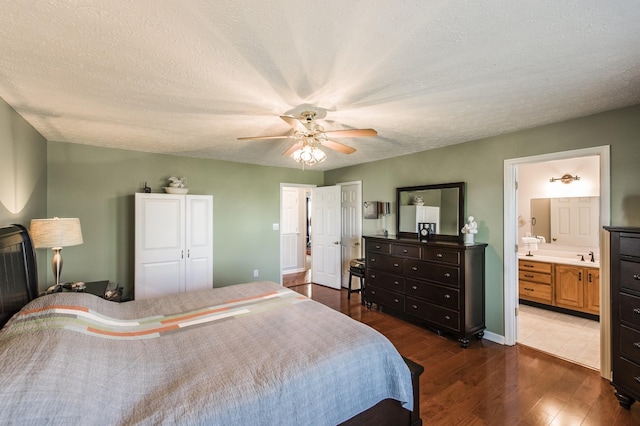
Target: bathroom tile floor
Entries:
(565, 336)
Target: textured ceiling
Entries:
(189, 77)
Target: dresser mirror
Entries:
(440, 205)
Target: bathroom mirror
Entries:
(441, 205)
(567, 220)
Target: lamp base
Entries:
(56, 265)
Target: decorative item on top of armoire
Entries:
(469, 229)
(177, 186)
(146, 188)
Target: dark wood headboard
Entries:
(18, 271)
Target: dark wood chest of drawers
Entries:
(625, 313)
(439, 284)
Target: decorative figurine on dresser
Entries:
(625, 313)
(439, 282)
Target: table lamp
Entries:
(56, 233)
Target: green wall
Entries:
(23, 173)
(97, 185)
(481, 165)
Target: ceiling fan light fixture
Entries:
(309, 155)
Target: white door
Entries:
(159, 245)
(351, 241)
(199, 242)
(290, 232)
(575, 221)
(325, 236)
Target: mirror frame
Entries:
(461, 209)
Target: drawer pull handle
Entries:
(372, 291)
(636, 277)
(447, 275)
(447, 317)
(414, 287)
(414, 306)
(637, 345)
(377, 247)
(636, 311)
(396, 265)
(373, 260)
(529, 276)
(527, 266)
(415, 268)
(396, 283)
(637, 379)
(396, 300)
(447, 296)
(405, 251)
(373, 275)
(439, 255)
(528, 289)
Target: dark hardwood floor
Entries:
(488, 383)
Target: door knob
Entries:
(356, 243)
(336, 242)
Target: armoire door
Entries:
(159, 245)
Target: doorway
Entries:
(513, 223)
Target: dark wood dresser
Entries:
(625, 313)
(436, 283)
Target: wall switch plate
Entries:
(276, 226)
(256, 273)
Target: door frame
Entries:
(282, 186)
(510, 273)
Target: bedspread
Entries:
(245, 354)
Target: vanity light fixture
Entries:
(565, 178)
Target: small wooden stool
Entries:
(356, 269)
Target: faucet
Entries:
(581, 257)
(592, 258)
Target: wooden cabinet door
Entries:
(592, 291)
(569, 289)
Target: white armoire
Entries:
(173, 244)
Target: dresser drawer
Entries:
(630, 309)
(405, 250)
(630, 244)
(379, 247)
(446, 318)
(630, 343)
(442, 274)
(539, 292)
(534, 276)
(439, 255)
(438, 295)
(629, 275)
(528, 265)
(628, 376)
(386, 262)
(385, 297)
(385, 280)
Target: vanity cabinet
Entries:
(577, 288)
(535, 281)
(439, 284)
(625, 313)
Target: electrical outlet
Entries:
(256, 272)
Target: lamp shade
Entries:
(56, 232)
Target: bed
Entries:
(254, 353)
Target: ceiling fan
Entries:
(309, 136)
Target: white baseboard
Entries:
(293, 271)
(493, 337)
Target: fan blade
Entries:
(352, 133)
(285, 136)
(248, 138)
(295, 123)
(337, 146)
(292, 149)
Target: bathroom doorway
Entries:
(518, 221)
